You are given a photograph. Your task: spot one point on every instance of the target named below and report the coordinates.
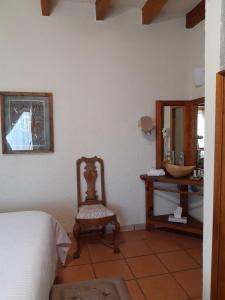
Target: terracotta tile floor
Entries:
(155, 265)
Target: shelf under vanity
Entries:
(193, 226)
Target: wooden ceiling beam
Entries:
(46, 7)
(102, 8)
(151, 9)
(196, 15)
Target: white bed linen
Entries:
(31, 243)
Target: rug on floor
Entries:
(98, 289)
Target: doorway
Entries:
(218, 254)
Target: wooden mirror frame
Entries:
(190, 128)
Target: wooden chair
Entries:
(92, 211)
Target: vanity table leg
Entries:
(184, 199)
(149, 203)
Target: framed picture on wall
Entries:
(26, 122)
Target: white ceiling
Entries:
(173, 9)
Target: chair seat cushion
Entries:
(95, 211)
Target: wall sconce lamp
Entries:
(146, 124)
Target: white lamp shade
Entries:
(199, 76)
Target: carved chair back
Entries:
(90, 175)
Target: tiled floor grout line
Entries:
(168, 272)
(134, 277)
(152, 252)
(106, 260)
(180, 285)
(172, 234)
(192, 268)
(149, 276)
(177, 243)
(72, 266)
(124, 258)
(141, 289)
(91, 262)
(186, 250)
(186, 270)
(195, 260)
(173, 277)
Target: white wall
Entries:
(104, 77)
(197, 57)
(212, 65)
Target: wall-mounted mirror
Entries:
(173, 134)
(200, 136)
(180, 132)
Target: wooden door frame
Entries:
(218, 255)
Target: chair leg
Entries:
(115, 234)
(103, 232)
(76, 234)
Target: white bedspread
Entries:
(31, 242)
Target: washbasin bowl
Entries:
(178, 171)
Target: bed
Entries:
(31, 244)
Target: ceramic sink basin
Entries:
(179, 171)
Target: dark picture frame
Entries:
(26, 122)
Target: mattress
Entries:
(31, 245)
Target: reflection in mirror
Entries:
(200, 136)
(180, 133)
(173, 137)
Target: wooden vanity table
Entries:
(181, 186)
(179, 140)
